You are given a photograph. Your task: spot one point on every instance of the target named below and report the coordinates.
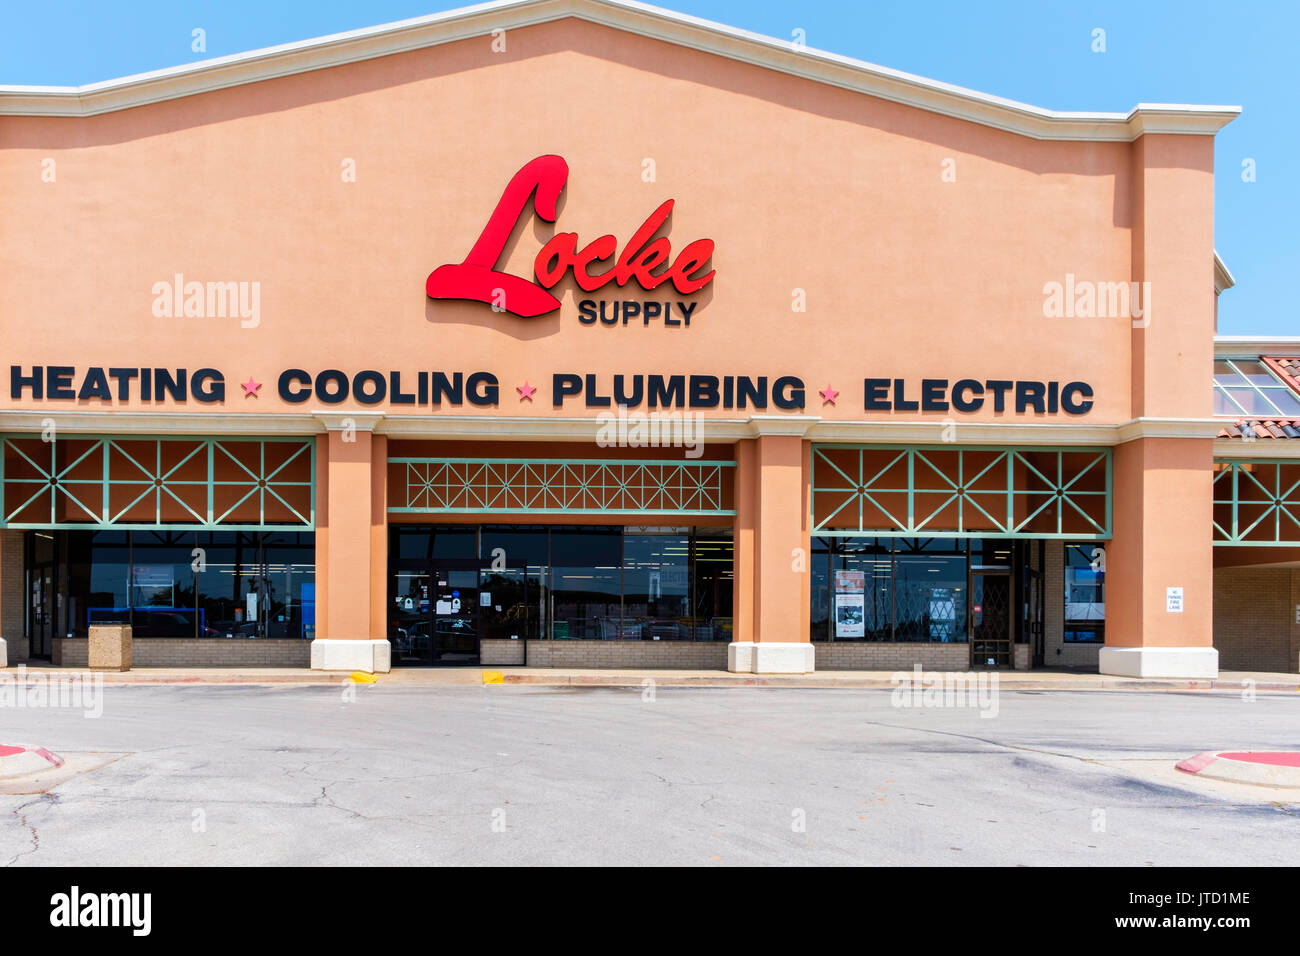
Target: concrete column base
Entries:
(771, 657)
(372, 657)
(1199, 662)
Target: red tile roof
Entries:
(1287, 369)
(1243, 428)
(1249, 429)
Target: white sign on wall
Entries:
(1174, 600)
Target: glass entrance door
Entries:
(41, 556)
(453, 624)
(439, 610)
(409, 594)
(991, 621)
(44, 598)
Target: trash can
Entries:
(110, 647)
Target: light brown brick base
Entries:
(1255, 625)
(672, 655)
(195, 652)
(891, 656)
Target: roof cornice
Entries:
(1223, 277)
(546, 428)
(1238, 346)
(1265, 448)
(643, 19)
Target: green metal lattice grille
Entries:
(519, 486)
(967, 492)
(1257, 502)
(97, 482)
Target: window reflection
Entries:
(712, 582)
(1085, 593)
(896, 589)
(930, 598)
(221, 584)
(656, 585)
(861, 582)
(593, 582)
(586, 583)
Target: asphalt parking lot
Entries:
(716, 776)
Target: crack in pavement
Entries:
(45, 798)
(983, 740)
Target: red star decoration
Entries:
(828, 395)
(250, 387)
(525, 391)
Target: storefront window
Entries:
(586, 583)
(896, 589)
(589, 582)
(1085, 593)
(820, 589)
(930, 596)
(712, 582)
(861, 581)
(656, 584)
(162, 584)
(455, 543)
(409, 543)
(989, 552)
(220, 584)
(283, 587)
(99, 576)
(514, 546)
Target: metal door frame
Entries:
(431, 565)
(987, 571)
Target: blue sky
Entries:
(1175, 51)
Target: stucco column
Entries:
(1159, 565)
(351, 546)
(773, 499)
(744, 539)
(1163, 492)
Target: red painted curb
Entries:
(1198, 763)
(19, 761)
(51, 757)
(1275, 758)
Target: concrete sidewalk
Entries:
(1037, 680)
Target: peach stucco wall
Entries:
(802, 186)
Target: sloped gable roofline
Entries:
(687, 31)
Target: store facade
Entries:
(575, 333)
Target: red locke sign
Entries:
(477, 277)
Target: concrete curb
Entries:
(1261, 768)
(476, 676)
(19, 761)
(1004, 683)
